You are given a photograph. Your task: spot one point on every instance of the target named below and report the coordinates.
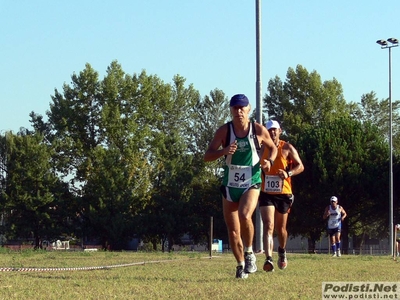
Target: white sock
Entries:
(241, 263)
(248, 249)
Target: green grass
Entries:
(179, 275)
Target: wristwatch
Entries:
(289, 174)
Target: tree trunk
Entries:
(311, 245)
(170, 244)
(163, 245)
(314, 236)
(154, 245)
(36, 237)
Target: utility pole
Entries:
(259, 227)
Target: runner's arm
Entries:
(297, 166)
(326, 213)
(267, 144)
(344, 214)
(214, 150)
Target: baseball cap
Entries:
(333, 199)
(240, 100)
(272, 124)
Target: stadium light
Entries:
(385, 45)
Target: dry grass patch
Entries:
(180, 275)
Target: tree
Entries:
(346, 158)
(370, 109)
(33, 194)
(173, 160)
(101, 127)
(377, 112)
(212, 112)
(111, 196)
(308, 109)
(303, 101)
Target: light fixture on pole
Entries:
(385, 45)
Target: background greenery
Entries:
(122, 157)
(181, 276)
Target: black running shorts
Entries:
(282, 202)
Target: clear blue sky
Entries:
(211, 43)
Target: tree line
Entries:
(122, 157)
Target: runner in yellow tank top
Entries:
(276, 196)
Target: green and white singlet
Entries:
(242, 170)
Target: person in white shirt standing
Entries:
(335, 215)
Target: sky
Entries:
(211, 43)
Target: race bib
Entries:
(333, 223)
(273, 183)
(239, 176)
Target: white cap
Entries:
(333, 199)
(272, 124)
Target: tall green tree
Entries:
(33, 193)
(212, 112)
(371, 109)
(305, 104)
(101, 128)
(304, 100)
(127, 143)
(173, 160)
(111, 197)
(346, 158)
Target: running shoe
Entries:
(250, 262)
(282, 260)
(338, 253)
(240, 273)
(268, 265)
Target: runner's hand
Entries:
(231, 149)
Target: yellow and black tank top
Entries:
(271, 182)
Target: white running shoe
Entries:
(250, 262)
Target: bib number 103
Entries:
(273, 184)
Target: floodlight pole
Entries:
(259, 226)
(384, 45)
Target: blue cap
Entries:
(240, 100)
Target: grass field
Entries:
(178, 275)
